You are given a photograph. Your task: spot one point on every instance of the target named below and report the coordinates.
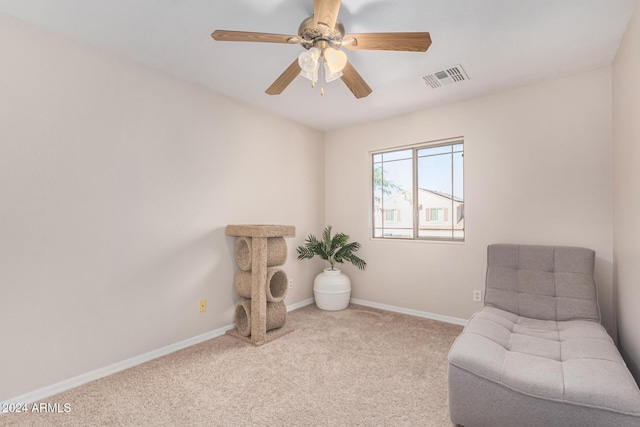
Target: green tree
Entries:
(387, 186)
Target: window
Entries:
(418, 192)
(436, 214)
(392, 215)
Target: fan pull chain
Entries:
(321, 77)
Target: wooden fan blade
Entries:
(414, 42)
(244, 36)
(355, 82)
(285, 79)
(326, 12)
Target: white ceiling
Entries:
(500, 43)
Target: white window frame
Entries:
(452, 214)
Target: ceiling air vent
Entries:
(446, 77)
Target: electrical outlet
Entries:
(203, 305)
(290, 283)
(477, 295)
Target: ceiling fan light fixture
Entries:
(310, 75)
(309, 62)
(335, 59)
(329, 75)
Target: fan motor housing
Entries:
(311, 34)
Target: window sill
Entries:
(399, 239)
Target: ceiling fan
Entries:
(323, 36)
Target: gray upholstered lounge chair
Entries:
(536, 354)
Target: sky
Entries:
(434, 169)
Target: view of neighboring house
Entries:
(439, 215)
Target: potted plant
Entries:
(332, 288)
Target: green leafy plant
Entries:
(336, 249)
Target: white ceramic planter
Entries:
(332, 290)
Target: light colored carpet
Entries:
(359, 366)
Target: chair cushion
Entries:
(571, 361)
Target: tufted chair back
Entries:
(542, 282)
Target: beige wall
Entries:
(116, 183)
(626, 192)
(537, 171)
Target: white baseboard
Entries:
(425, 314)
(300, 304)
(79, 380)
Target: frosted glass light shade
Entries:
(308, 62)
(336, 60)
(329, 75)
(310, 75)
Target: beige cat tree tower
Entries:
(260, 250)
